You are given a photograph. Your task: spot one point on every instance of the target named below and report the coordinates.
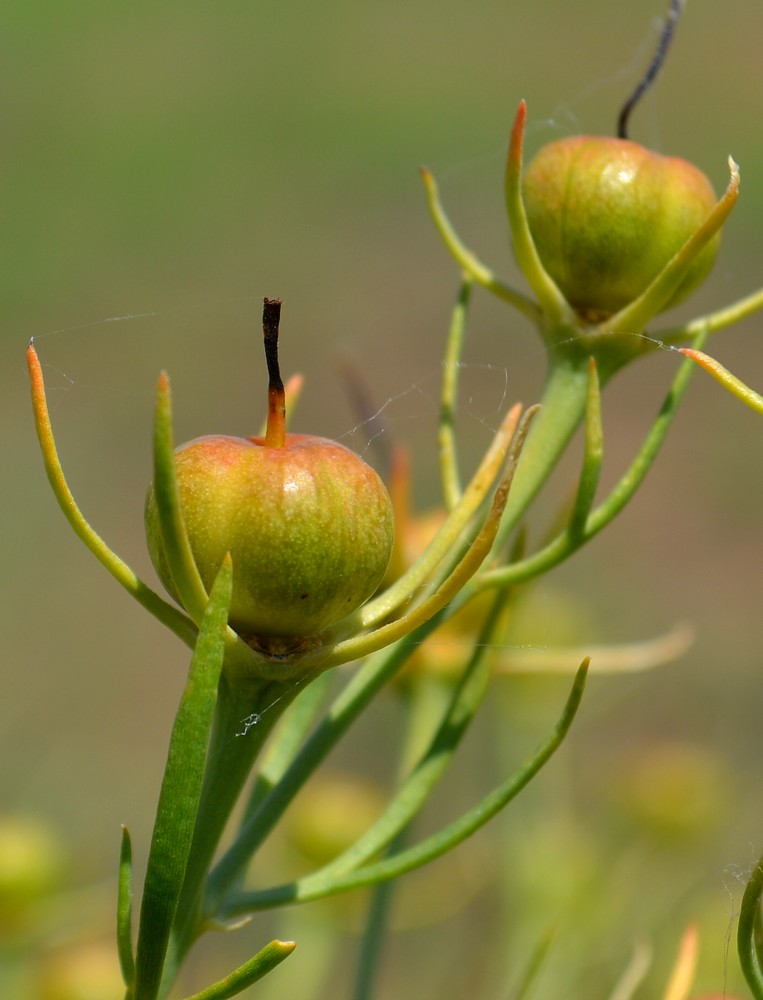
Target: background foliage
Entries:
(175, 162)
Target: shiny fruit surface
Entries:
(309, 526)
(608, 214)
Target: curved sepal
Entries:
(468, 261)
(151, 601)
(555, 306)
(175, 543)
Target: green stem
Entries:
(561, 547)
(563, 407)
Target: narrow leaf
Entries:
(181, 790)
(262, 963)
(314, 887)
(124, 910)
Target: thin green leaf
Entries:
(315, 886)
(714, 321)
(124, 911)
(749, 945)
(346, 708)
(446, 437)
(181, 790)
(248, 973)
(421, 782)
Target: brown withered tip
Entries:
(275, 429)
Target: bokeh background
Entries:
(166, 165)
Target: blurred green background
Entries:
(165, 166)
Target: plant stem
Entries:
(563, 407)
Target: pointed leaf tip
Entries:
(734, 385)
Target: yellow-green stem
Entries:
(563, 407)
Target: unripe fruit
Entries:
(309, 526)
(607, 215)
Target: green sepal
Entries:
(124, 910)
(468, 262)
(250, 972)
(556, 309)
(118, 568)
(181, 791)
(175, 543)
